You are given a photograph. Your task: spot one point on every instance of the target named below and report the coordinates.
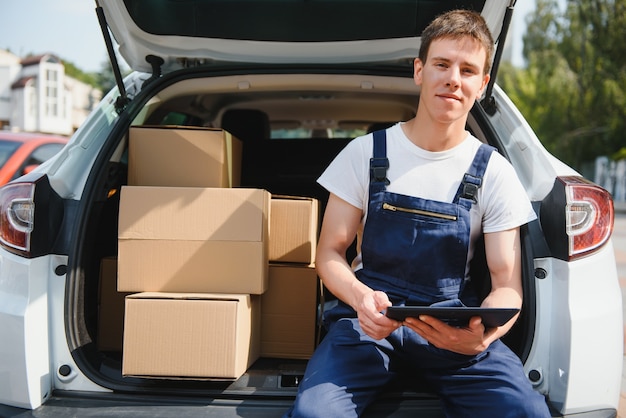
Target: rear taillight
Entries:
(31, 215)
(17, 215)
(589, 215)
(576, 217)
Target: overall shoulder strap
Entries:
(473, 179)
(379, 163)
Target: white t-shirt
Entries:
(502, 201)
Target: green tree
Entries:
(573, 90)
(106, 78)
(74, 72)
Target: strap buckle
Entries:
(378, 170)
(471, 184)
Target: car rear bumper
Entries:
(93, 404)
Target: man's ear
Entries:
(418, 66)
(486, 79)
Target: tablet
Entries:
(458, 316)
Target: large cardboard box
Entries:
(110, 307)
(293, 229)
(180, 156)
(289, 312)
(177, 239)
(190, 335)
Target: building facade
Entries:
(37, 96)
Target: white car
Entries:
(294, 81)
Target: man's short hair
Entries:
(457, 24)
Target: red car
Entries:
(20, 153)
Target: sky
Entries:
(66, 28)
(69, 29)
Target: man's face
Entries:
(451, 78)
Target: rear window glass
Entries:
(291, 20)
(301, 133)
(7, 148)
(44, 153)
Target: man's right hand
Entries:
(373, 322)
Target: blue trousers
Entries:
(349, 369)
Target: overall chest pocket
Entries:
(419, 213)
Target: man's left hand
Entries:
(470, 340)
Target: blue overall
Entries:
(415, 250)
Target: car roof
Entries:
(31, 137)
(279, 31)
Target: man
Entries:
(417, 197)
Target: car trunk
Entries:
(287, 166)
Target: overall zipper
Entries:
(387, 206)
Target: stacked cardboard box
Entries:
(191, 239)
(190, 335)
(110, 308)
(294, 226)
(289, 312)
(193, 311)
(289, 307)
(183, 156)
(214, 275)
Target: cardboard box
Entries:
(289, 312)
(293, 229)
(190, 335)
(177, 239)
(179, 156)
(110, 307)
